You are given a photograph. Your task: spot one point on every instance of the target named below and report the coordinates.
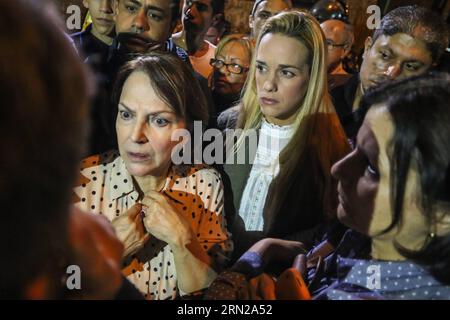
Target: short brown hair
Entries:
(173, 82)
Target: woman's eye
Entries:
(260, 68)
(160, 122)
(264, 16)
(384, 55)
(125, 115)
(372, 171)
(287, 74)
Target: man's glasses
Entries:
(231, 67)
(331, 45)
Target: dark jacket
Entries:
(95, 54)
(343, 97)
(309, 202)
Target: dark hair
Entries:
(417, 22)
(173, 82)
(44, 97)
(421, 115)
(218, 6)
(175, 10)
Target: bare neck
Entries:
(149, 183)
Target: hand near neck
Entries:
(149, 183)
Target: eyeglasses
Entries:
(231, 67)
(331, 45)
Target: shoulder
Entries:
(97, 175)
(105, 160)
(78, 38)
(228, 118)
(95, 169)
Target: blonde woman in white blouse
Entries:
(287, 191)
(169, 217)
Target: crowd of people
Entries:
(348, 168)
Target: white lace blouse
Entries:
(272, 140)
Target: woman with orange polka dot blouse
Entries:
(169, 217)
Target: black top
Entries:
(91, 49)
(343, 98)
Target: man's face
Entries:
(393, 57)
(264, 11)
(338, 42)
(150, 19)
(102, 15)
(197, 15)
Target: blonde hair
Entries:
(304, 28)
(246, 43)
(318, 139)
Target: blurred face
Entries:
(212, 35)
(226, 82)
(281, 77)
(364, 186)
(264, 11)
(144, 128)
(197, 15)
(360, 176)
(338, 42)
(102, 15)
(393, 57)
(150, 19)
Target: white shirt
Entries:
(272, 140)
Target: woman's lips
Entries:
(138, 157)
(221, 82)
(268, 101)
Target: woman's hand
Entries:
(162, 221)
(130, 230)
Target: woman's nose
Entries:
(339, 169)
(138, 134)
(270, 84)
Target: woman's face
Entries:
(281, 77)
(144, 127)
(364, 184)
(226, 82)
